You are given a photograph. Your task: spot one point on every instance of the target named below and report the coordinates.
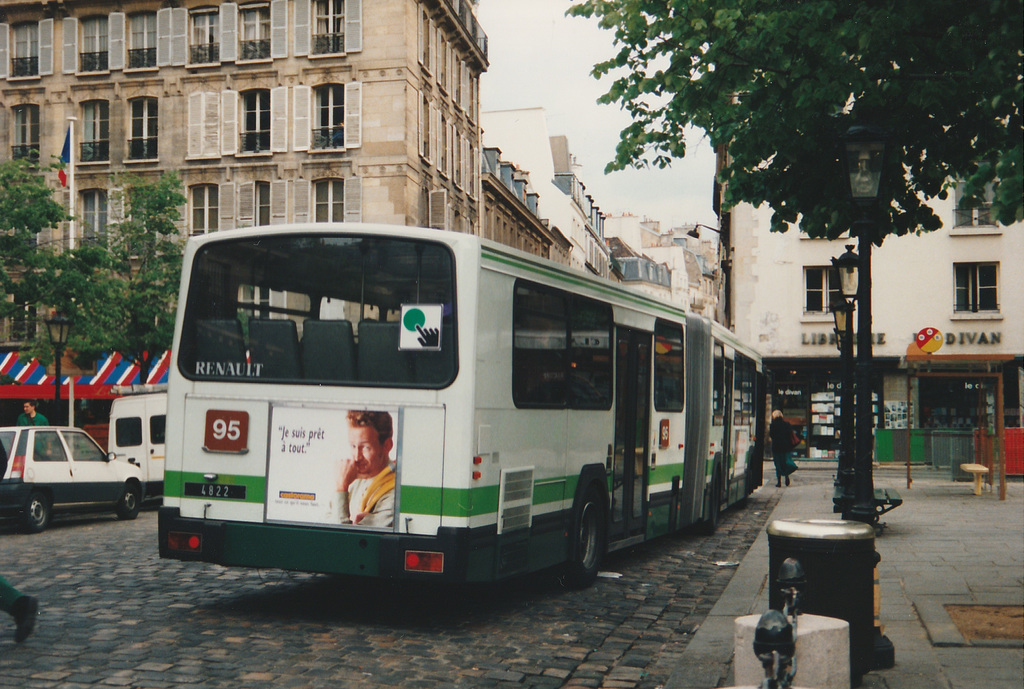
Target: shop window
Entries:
(976, 287)
(821, 288)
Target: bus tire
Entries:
(710, 524)
(589, 540)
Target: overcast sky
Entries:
(541, 58)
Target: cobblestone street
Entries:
(114, 614)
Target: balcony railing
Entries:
(329, 137)
(25, 152)
(205, 53)
(24, 66)
(255, 50)
(140, 58)
(142, 149)
(967, 217)
(93, 62)
(95, 151)
(256, 142)
(324, 44)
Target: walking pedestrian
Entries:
(21, 607)
(782, 436)
(30, 417)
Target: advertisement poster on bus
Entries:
(333, 467)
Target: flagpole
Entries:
(71, 182)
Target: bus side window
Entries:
(274, 342)
(219, 341)
(380, 360)
(328, 350)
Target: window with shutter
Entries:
(439, 209)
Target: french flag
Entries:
(65, 158)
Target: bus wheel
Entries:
(714, 505)
(588, 541)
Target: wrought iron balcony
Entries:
(255, 50)
(95, 151)
(93, 62)
(142, 149)
(24, 66)
(329, 137)
(256, 142)
(140, 58)
(324, 44)
(25, 152)
(205, 53)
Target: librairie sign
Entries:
(928, 346)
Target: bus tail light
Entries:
(424, 561)
(18, 467)
(187, 542)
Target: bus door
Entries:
(632, 420)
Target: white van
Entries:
(137, 424)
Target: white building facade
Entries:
(962, 281)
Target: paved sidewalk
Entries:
(943, 546)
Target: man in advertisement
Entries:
(366, 480)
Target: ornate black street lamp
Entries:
(842, 312)
(58, 328)
(863, 155)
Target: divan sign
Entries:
(931, 343)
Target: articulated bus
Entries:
(410, 403)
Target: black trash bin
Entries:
(839, 561)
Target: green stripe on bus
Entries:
(446, 502)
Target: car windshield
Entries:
(319, 309)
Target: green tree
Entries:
(121, 290)
(27, 207)
(777, 83)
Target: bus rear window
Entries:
(351, 310)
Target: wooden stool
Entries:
(978, 471)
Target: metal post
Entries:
(863, 509)
(56, 387)
(847, 448)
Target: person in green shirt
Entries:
(30, 417)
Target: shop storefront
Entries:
(808, 392)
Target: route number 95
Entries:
(226, 431)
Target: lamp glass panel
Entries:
(864, 159)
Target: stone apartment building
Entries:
(271, 111)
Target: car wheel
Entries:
(37, 512)
(589, 536)
(128, 504)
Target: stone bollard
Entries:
(822, 652)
